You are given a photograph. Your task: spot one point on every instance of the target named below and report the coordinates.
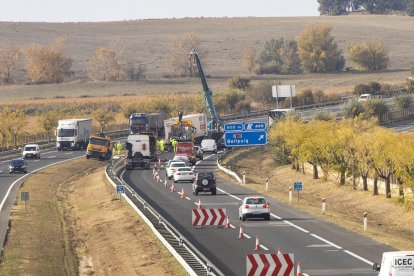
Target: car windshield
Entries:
(30, 148)
(62, 132)
(97, 141)
(259, 200)
(205, 175)
(17, 162)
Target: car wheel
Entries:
(243, 218)
(213, 191)
(175, 181)
(267, 217)
(170, 177)
(196, 192)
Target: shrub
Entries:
(409, 85)
(360, 89)
(322, 116)
(403, 102)
(353, 109)
(319, 96)
(375, 88)
(376, 107)
(305, 97)
(239, 83)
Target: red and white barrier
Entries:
(201, 217)
(269, 264)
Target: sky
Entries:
(119, 10)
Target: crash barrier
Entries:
(270, 264)
(192, 260)
(211, 217)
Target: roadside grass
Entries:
(388, 221)
(74, 224)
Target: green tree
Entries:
(289, 56)
(15, 121)
(332, 7)
(318, 51)
(369, 55)
(270, 60)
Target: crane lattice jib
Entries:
(208, 94)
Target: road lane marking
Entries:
(358, 257)
(264, 247)
(326, 241)
(53, 156)
(318, 245)
(26, 175)
(233, 196)
(297, 227)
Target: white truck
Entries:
(73, 134)
(195, 126)
(141, 150)
(396, 263)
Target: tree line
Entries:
(352, 148)
(314, 50)
(341, 7)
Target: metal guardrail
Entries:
(198, 263)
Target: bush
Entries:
(319, 96)
(305, 97)
(322, 116)
(362, 89)
(353, 109)
(403, 102)
(239, 83)
(375, 88)
(376, 107)
(409, 85)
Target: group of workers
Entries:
(117, 148)
(161, 145)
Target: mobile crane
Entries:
(214, 124)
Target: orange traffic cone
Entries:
(182, 193)
(172, 188)
(199, 203)
(298, 271)
(257, 247)
(227, 222)
(241, 234)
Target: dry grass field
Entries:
(223, 39)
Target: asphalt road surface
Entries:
(321, 247)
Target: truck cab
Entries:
(396, 263)
(141, 150)
(186, 148)
(99, 147)
(73, 134)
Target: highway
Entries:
(321, 247)
(10, 183)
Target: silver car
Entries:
(254, 207)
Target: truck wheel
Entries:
(87, 157)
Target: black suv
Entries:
(18, 165)
(204, 182)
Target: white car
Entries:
(173, 167)
(184, 174)
(209, 145)
(364, 97)
(254, 207)
(31, 151)
(182, 157)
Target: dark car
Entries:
(198, 152)
(221, 144)
(204, 182)
(18, 165)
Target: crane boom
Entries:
(214, 123)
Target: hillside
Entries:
(223, 38)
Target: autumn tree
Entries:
(104, 66)
(178, 57)
(9, 57)
(249, 58)
(14, 122)
(48, 64)
(103, 117)
(49, 121)
(369, 55)
(318, 51)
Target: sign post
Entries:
(120, 189)
(297, 186)
(25, 197)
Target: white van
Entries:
(396, 263)
(209, 145)
(31, 151)
(364, 97)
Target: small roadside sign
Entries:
(297, 186)
(25, 197)
(120, 189)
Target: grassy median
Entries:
(74, 224)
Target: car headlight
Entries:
(11, 167)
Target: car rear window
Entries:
(259, 200)
(184, 169)
(175, 165)
(205, 175)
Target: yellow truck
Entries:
(99, 147)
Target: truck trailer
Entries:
(73, 134)
(141, 150)
(192, 127)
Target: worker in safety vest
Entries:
(158, 145)
(162, 144)
(119, 147)
(174, 144)
(113, 149)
